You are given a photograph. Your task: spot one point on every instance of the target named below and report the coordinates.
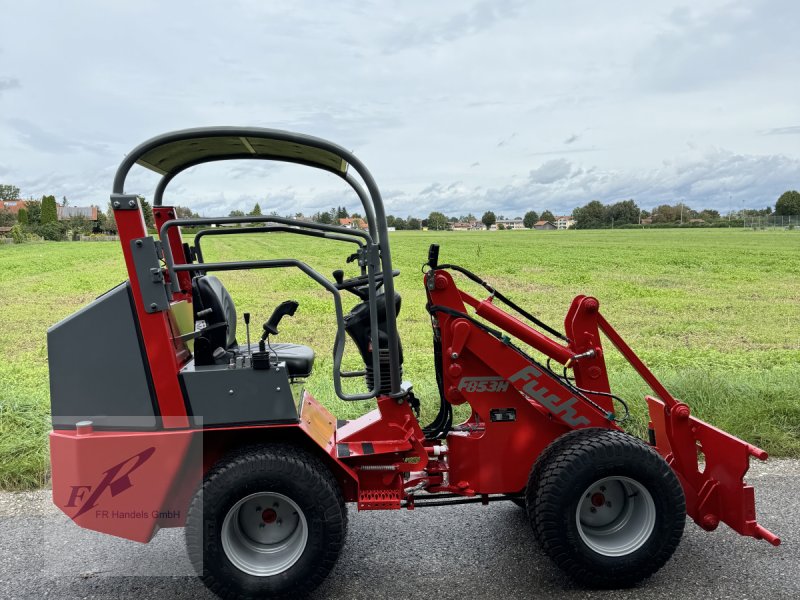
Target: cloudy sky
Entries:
(455, 106)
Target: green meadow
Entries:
(715, 313)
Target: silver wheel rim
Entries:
(616, 516)
(264, 534)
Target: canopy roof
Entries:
(172, 157)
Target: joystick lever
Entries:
(289, 307)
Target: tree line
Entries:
(596, 215)
(40, 217)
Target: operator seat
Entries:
(209, 293)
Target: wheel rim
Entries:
(616, 516)
(264, 534)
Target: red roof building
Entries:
(12, 206)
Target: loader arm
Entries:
(715, 491)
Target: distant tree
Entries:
(182, 212)
(390, 219)
(788, 203)
(530, 218)
(547, 216)
(102, 221)
(400, 224)
(341, 213)
(622, 213)
(236, 213)
(51, 230)
(79, 225)
(708, 214)
(147, 210)
(256, 212)
(756, 212)
(9, 192)
(18, 234)
(666, 213)
(111, 220)
(49, 210)
(438, 221)
(34, 208)
(488, 219)
(22, 216)
(355, 215)
(413, 223)
(591, 216)
(7, 218)
(64, 201)
(501, 227)
(324, 217)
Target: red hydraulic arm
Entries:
(715, 492)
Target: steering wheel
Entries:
(354, 285)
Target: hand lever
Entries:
(289, 307)
(247, 326)
(338, 275)
(433, 256)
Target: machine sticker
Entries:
(116, 481)
(564, 409)
(482, 384)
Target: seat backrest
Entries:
(208, 292)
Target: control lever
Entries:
(247, 327)
(338, 275)
(289, 307)
(433, 256)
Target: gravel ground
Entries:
(454, 552)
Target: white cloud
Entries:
(501, 105)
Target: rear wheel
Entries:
(605, 507)
(267, 522)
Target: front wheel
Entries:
(267, 522)
(605, 507)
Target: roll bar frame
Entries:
(377, 241)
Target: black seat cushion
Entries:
(299, 359)
(208, 292)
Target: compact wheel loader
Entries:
(185, 424)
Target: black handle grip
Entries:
(289, 307)
(338, 275)
(433, 256)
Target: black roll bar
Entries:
(372, 269)
(171, 153)
(338, 344)
(268, 229)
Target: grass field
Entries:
(715, 313)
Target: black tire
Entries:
(617, 544)
(266, 473)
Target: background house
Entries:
(511, 223)
(471, 225)
(12, 206)
(545, 225)
(564, 222)
(70, 212)
(356, 223)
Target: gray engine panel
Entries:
(97, 367)
(217, 395)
